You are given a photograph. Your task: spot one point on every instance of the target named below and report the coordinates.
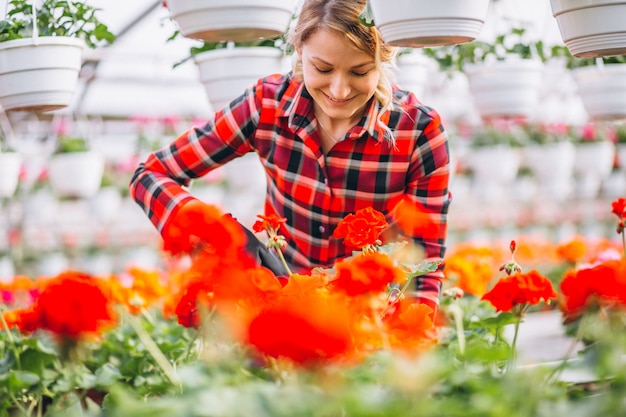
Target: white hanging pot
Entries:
(412, 72)
(10, 164)
(507, 88)
(553, 167)
(602, 90)
(234, 20)
(225, 73)
(76, 174)
(591, 28)
(426, 23)
(39, 74)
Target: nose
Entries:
(339, 87)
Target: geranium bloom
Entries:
(619, 209)
(306, 329)
(603, 284)
(366, 273)
(413, 218)
(72, 305)
(268, 223)
(520, 289)
(361, 229)
(572, 251)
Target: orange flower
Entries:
(573, 251)
(366, 273)
(410, 326)
(603, 284)
(72, 305)
(414, 219)
(361, 229)
(519, 289)
(307, 329)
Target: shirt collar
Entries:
(297, 105)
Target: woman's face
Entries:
(340, 78)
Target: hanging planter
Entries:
(235, 20)
(39, 74)
(41, 52)
(591, 28)
(602, 90)
(10, 164)
(74, 171)
(227, 72)
(412, 71)
(425, 23)
(507, 88)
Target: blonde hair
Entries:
(342, 18)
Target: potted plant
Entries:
(595, 156)
(600, 82)
(503, 75)
(591, 28)
(74, 170)
(494, 158)
(424, 23)
(549, 154)
(412, 70)
(41, 52)
(231, 20)
(227, 68)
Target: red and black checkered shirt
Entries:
(274, 118)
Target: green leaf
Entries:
(19, 380)
(107, 375)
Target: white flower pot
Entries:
(77, 174)
(494, 164)
(591, 28)
(235, 20)
(425, 23)
(505, 88)
(595, 158)
(553, 167)
(39, 74)
(227, 72)
(602, 90)
(412, 72)
(10, 164)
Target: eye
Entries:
(360, 74)
(322, 71)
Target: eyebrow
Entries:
(330, 65)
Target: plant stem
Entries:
(514, 343)
(579, 335)
(624, 243)
(457, 314)
(155, 352)
(5, 326)
(282, 259)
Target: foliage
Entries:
(55, 18)
(454, 58)
(71, 144)
(571, 62)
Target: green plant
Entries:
(454, 58)
(54, 18)
(571, 62)
(69, 144)
(277, 42)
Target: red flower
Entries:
(366, 273)
(619, 209)
(72, 305)
(361, 229)
(603, 284)
(306, 329)
(519, 289)
(269, 223)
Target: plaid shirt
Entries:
(274, 118)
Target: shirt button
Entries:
(322, 229)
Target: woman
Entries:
(334, 136)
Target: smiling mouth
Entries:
(336, 100)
